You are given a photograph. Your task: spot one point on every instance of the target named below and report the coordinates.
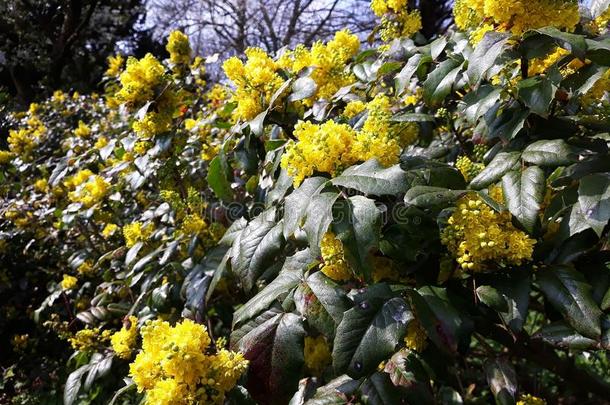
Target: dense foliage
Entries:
(413, 223)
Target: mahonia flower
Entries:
(109, 230)
(85, 269)
(529, 399)
(335, 266)
(317, 354)
(396, 20)
(468, 168)
(476, 234)
(140, 81)
(175, 365)
(327, 148)
(22, 141)
(68, 282)
(115, 64)
(124, 340)
(91, 192)
(5, 157)
(82, 131)
(381, 138)
(516, 16)
(179, 48)
(256, 82)
(20, 342)
(136, 232)
(354, 108)
(416, 338)
(41, 185)
(86, 340)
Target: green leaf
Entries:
(407, 370)
(444, 324)
(379, 390)
(357, 223)
(537, 93)
(388, 67)
(368, 334)
(563, 336)
(555, 152)
(515, 289)
(440, 81)
(572, 42)
(594, 200)
(218, 178)
(502, 380)
(322, 302)
(492, 298)
(372, 178)
(319, 216)
(570, 294)
(132, 253)
(414, 63)
(275, 351)
(524, 192)
(336, 392)
(295, 204)
(426, 196)
(413, 117)
(302, 88)
(255, 249)
(289, 277)
(508, 123)
(485, 56)
(498, 167)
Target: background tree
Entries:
(64, 43)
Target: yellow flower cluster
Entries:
(327, 148)
(124, 340)
(529, 399)
(516, 16)
(86, 340)
(328, 60)
(256, 82)
(598, 91)
(335, 266)
(354, 108)
(381, 138)
(476, 234)
(468, 168)
(416, 338)
(396, 19)
(5, 157)
(109, 230)
(174, 366)
(83, 130)
(179, 48)
(91, 192)
(145, 81)
(317, 354)
(115, 64)
(137, 232)
(68, 282)
(332, 147)
(259, 78)
(22, 141)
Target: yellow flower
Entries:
(178, 48)
(109, 230)
(82, 131)
(86, 340)
(68, 282)
(101, 142)
(85, 269)
(90, 192)
(5, 157)
(41, 185)
(176, 364)
(477, 235)
(136, 232)
(335, 266)
(529, 399)
(115, 64)
(317, 354)
(141, 80)
(353, 108)
(416, 336)
(124, 340)
(468, 168)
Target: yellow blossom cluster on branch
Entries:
(335, 266)
(516, 16)
(317, 354)
(177, 365)
(332, 147)
(124, 340)
(258, 80)
(397, 21)
(477, 235)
